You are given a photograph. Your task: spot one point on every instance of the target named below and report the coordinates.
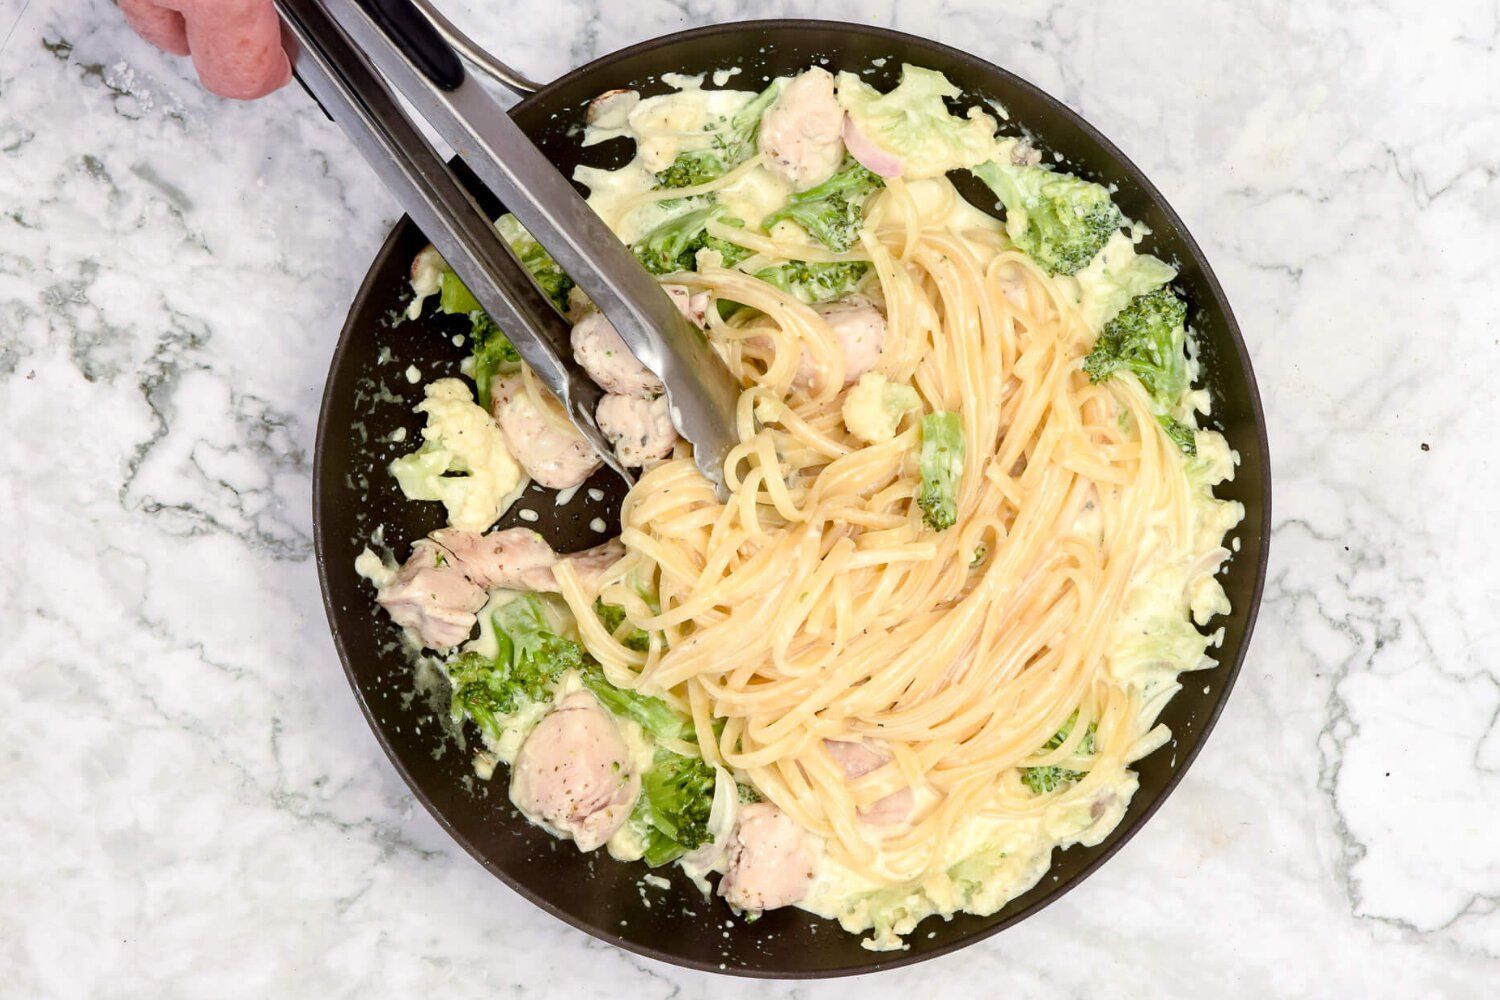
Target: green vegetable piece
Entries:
(454, 297)
(674, 245)
(732, 142)
(456, 300)
(493, 354)
(529, 659)
(534, 653)
(1149, 339)
(653, 714)
(814, 282)
(833, 212)
(1181, 434)
(546, 272)
(1046, 779)
(691, 169)
(677, 795)
(474, 694)
(1059, 220)
(942, 467)
(612, 616)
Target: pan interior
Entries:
(367, 407)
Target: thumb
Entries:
(236, 46)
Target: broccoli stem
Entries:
(941, 465)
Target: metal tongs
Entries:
(355, 56)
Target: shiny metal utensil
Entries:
(481, 58)
(353, 55)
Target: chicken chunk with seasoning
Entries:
(858, 329)
(550, 450)
(801, 134)
(432, 597)
(640, 429)
(573, 774)
(769, 865)
(520, 559)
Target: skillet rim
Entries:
(1231, 670)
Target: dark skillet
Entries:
(353, 495)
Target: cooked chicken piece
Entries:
(693, 306)
(432, 597)
(859, 328)
(551, 451)
(590, 564)
(598, 348)
(800, 135)
(442, 586)
(516, 558)
(769, 865)
(573, 773)
(858, 760)
(520, 559)
(611, 109)
(640, 429)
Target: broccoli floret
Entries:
(1059, 220)
(1149, 338)
(478, 693)
(729, 253)
(674, 245)
(529, 660)
(691, 169)
(732, 141)
(942, 467)
(1045, 779)
(677, 795)
(536, 655)
(832, 212)
(814, 282)
(492, 351)
(455, 299)
(612, 616)
(546, 272)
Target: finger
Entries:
(158, 25)
(236, 46)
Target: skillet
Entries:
(367, 399)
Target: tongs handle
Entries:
(415, 35)
(359, 100)
(701, 393)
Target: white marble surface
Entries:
(193, 804)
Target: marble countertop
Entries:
(194, 805)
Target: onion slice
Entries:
(871, 156)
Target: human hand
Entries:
(235, 44)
